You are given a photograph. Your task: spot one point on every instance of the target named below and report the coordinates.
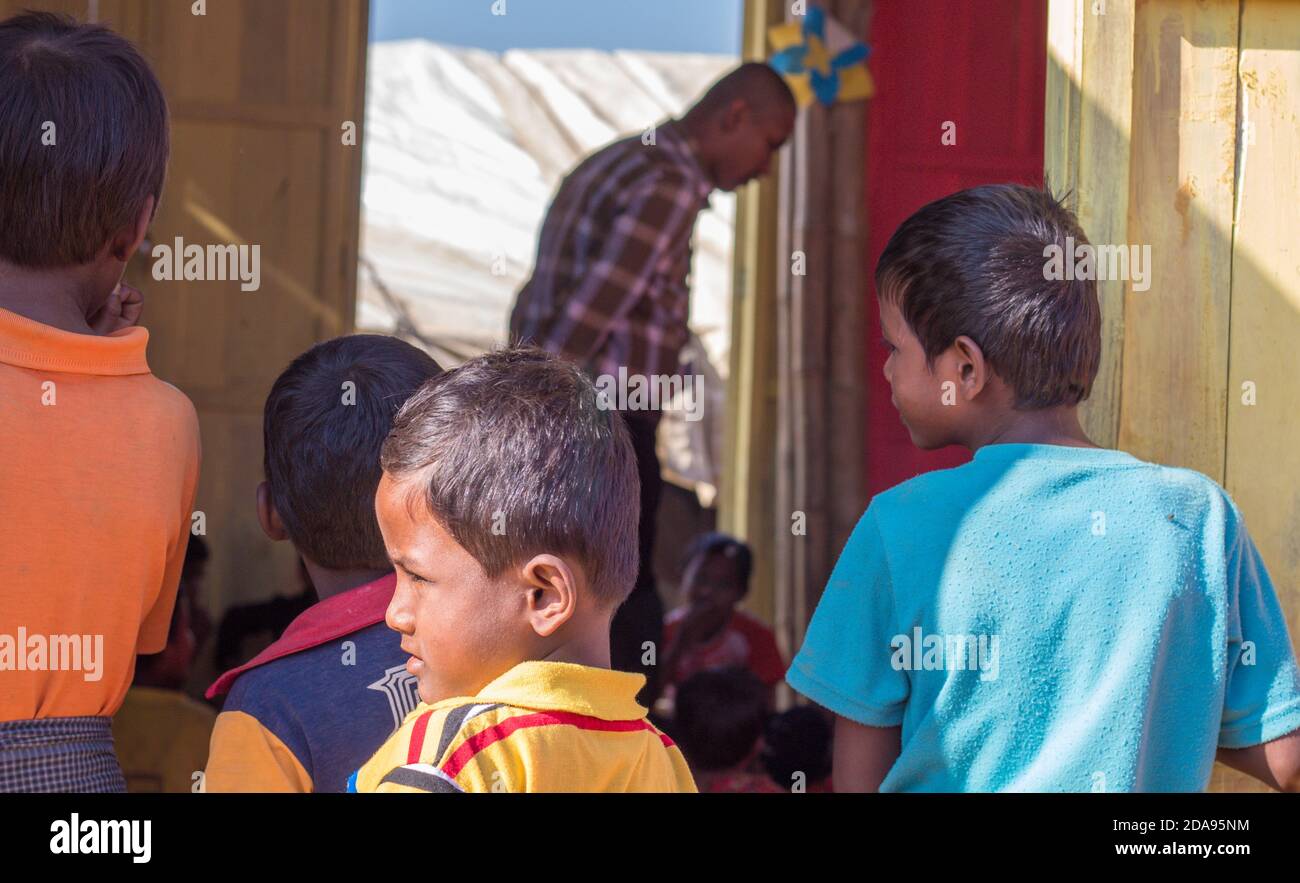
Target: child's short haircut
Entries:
(516, 458)
(325, 422)
(66, 189)
(715, 543)
(973, 263)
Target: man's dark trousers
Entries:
(641, 618)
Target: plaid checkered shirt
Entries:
(609, 287)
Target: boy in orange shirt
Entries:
(96, 454)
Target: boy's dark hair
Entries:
(716, 543)
(516, 458)
(323, 439)
(61, 202)
(718, 717)
(797, 741)
(973, 263)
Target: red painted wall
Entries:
(981, 65)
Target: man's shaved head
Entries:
(740, 122)
(757, 84)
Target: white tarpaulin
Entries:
(463, 151)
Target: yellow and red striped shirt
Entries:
(540, 727)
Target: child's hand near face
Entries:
(121, 310)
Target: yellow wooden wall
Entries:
(1175, 123)
(747, 496)
(258, 92)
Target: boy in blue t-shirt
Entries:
(1051, 616)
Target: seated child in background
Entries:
(308, 709)
(710, 630)
(720, 714)
(509, 505)
(797, 749)
(97, 455)
(1052, 615)
(161, 734)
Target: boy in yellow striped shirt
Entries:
(509, 507)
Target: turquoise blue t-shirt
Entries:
(1048, 618)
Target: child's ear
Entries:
(127, 242)
(971, 367)
(552, 593)
(267, 516)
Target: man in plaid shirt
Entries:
(609, 288)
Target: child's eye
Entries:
(889, 346)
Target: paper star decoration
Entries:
(820, 59)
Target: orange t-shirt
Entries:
(99, 461)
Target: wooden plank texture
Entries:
(1187, 112)
(1183, 142)
(258, 92)
(1263, 458)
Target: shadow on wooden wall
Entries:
(259, 95)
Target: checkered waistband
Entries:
(59, 754)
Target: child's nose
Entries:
(398, 616)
